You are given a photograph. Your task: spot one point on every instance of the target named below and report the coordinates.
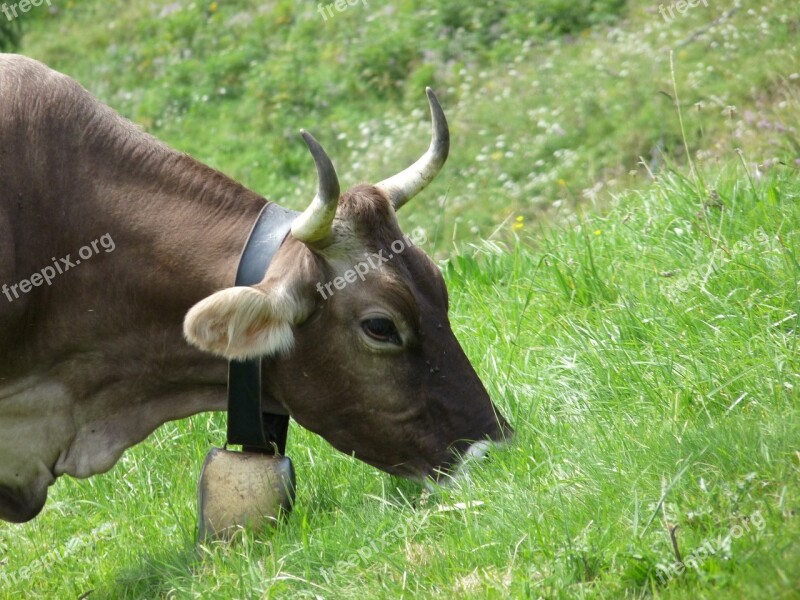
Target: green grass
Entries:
(542, 120)
(643, 344)
(648, 360)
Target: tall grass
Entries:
(643, 344)
(552, 104)
(647, 357)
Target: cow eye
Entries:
(382, 330)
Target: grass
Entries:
(552, 106)
(643, 344)
(648, 359)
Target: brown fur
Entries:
(95, 362)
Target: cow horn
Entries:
(314, 225)
(405, 185)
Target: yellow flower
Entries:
(213, 7)
(519, 223)
(562, 183)
(598, 231)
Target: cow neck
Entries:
(248, 425)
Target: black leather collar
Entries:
(255, 430)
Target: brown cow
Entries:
(108, 238)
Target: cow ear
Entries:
(241, 323)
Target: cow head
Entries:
(351, 321)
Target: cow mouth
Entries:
(458, 463)
(475, 453)
(19, 508)
(468, 454)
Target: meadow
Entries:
(618, 228)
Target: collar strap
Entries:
(248, 426)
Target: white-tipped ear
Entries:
(239, 323)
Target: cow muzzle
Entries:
(473, 454)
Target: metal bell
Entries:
(242, 489)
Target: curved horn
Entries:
(405, 185)
(314, 225)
